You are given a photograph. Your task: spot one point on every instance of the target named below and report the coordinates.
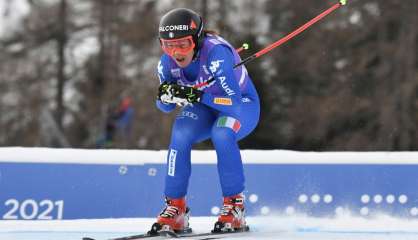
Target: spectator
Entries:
(118, 123)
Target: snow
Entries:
(140, 157)
(276, 227)
(84, 48)
(355, 18)
(11, 13)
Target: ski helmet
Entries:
(179, 23)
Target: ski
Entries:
(205, 235)
(162, 233)
(132, 237)
(167, 234)
(171, 234)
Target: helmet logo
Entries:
(174, 28)
(170, 34)
(193, 25)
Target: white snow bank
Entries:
(140, 157)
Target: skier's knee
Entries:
(182, 136)
(222, 134)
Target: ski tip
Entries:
(343, 2)
(87, 238)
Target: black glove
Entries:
(192, 95)
(164, 93)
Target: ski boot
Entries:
(232, 216)
(173, 218)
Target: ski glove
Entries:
(190, 94)
(166, 94)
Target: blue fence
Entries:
(36, 190)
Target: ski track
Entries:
(278, 227)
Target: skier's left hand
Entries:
(190, 94)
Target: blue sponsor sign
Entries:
(44, 191)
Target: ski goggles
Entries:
(181, 45)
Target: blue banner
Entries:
(43, 191)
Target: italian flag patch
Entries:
(229, 122)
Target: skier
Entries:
(224, 110)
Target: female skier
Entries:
(224, 109)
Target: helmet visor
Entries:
(181, 45)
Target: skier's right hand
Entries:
(164, 93)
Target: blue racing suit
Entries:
(228, 111)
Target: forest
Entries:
(348, 83)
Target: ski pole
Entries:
(292, 34)
(244, 46)
(282, 40)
